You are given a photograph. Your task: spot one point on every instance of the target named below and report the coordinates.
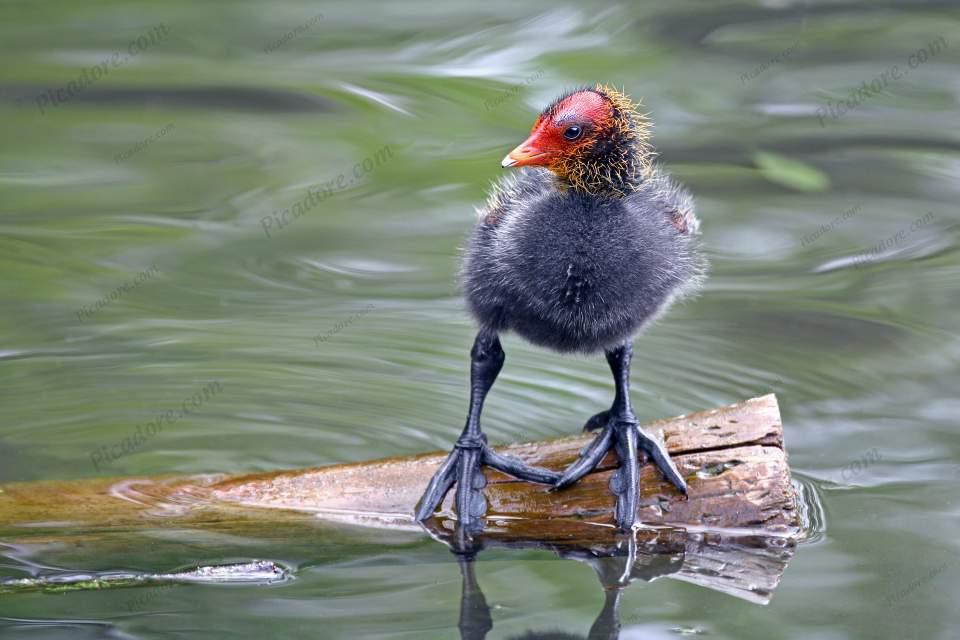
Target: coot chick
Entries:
(578, 251)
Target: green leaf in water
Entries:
(790, 173)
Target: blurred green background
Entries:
(135, 270)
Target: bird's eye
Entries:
(572, 133)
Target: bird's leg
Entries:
(621, 432)
(607, 624)
(462, 466)
(475, 620)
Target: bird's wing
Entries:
(671, 199)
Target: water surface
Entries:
(145, 257)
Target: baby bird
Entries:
(578, 251)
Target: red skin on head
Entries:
(546, 141)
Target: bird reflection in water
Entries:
(614, 572)
(746, 567)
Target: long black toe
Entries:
(626, 438)
(463, 468)
(658, 454)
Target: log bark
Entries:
(732, 458)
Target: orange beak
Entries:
(526, 154)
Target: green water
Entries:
(148, 272)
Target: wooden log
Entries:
(734, 533)
(732, 458)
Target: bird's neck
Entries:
(616, 162)
(612, 168)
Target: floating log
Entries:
(733, 458)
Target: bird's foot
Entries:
(624, 435)
(463, 468)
